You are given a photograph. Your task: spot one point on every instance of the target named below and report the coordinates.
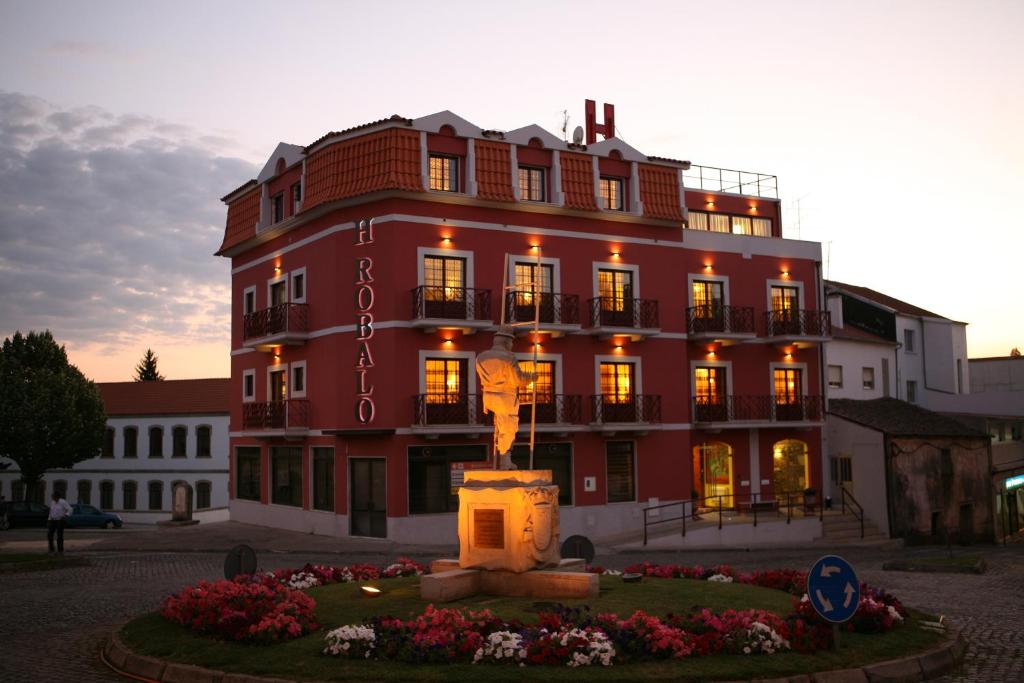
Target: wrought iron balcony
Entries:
(281, 324)
(717, 320)
(636, 409)
(290, 414)
(637, 314)
(798, 323)
(448, 409)
(451, 303)
(554, 308)
(553, 409)
(757, 409)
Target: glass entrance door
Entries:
(368, 514)
(712, 473)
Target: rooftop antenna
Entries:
(565, 125)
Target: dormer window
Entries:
(532, 184)
(611, 193)
(277, 207)
(444, 173)
(296, 197)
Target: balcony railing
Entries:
(554, 308)
(626, 409)
(290, 414)
(747, 183)
(798, 323)
(279, 319)
(607, 311)
(451, 303)
(716, 319)
(557, 409)
(448, 409)
(758, 409)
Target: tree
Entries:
(51, 416)
(146, 371)
(1014, 352)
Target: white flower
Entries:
(340, 640)
(720, 578)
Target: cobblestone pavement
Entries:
(53, 623)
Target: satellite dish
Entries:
(577, 136)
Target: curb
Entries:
(925, 666)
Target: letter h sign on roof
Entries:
(607, 129)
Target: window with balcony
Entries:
(129, 495)
(131, 442)
(278, 385)
(278, 293)
(615, 289)
(835, 376)
(108, 443)
(286, 475)
(446, 380)
(710, 391)
(323, 479)
(612, 196)
(444, 173)
(533, 291)
(544, 381)
(178, 439)
(532, 184)
(788, 392)
(203, 436)
(431, 485)
(247, 473)
(708, 299)
(618, 392)
(156, 442)
(444, 286)
(620, 471)
(868, 378)
(277, 207)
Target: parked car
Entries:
(22, 513)
(83, 515)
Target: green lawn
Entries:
(32, 562)
(340, 604)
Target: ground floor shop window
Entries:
(286, 475)
(323, 479)
(431, 488)
(620, 467)
(556, 457)
(247, 472)
(790, 466)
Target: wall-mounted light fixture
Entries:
(616, 253)
(785, 273)
(707, 266)
(446, 240)
(277, 268)
(534, 247)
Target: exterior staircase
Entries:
(839, 528)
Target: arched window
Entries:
(790, 466)
(131, 442)
(712, 472)
(202, 495)
(85, 491)
(156, 442)
(179, 436)
(108, 444)
(156, 495)
(106, 495)
(129, 490)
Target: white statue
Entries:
(501, 380)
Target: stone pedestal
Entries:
(508, 520)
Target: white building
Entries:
(158, 433)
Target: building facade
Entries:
(678, 352)
(158, 434)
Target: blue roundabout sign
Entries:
(833, 589)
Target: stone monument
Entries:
(181, 506)
(508, 518)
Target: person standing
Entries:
(59, 510)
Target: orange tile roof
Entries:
(494, 171)
(388, 160)
(243, 214)
(659, 191)
(169, 397)
(578, 181)
(394, 118)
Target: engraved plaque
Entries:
(489, 529)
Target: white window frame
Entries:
(725, 364)
(693, 277)
(873, 382)
(802, 367)
(828, 378)
(912, 346)
(283, 277)
(287, 379)
(292, 393)
(613, 265)
(251, 397)
(798, 284)
(422, 252)
(469, 356)
(245, 293)
(291, 286)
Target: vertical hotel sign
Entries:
(364, 408)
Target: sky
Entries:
(895, 130)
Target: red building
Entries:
(680, 344)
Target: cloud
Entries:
(108, 224)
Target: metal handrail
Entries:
(856, 508)
(286, 317)
(553, 308)
(715, 318)
(797, 323)
(696, 503)
(731, 408)
(713, 179)
(453, 303)
(630, 408)
(611, 311)
(291, 413)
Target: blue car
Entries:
(83, 515)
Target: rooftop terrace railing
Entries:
(728, 180)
